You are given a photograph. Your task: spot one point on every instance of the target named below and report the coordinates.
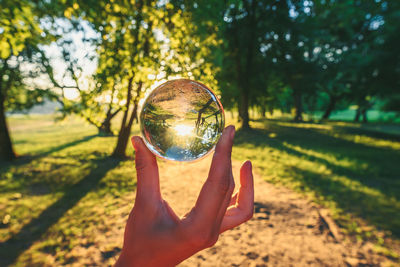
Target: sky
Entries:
(79, 50)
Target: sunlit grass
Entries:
(64, 170)
(65, 197)
(353, 172)
(357, 135)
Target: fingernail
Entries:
(250, 164)
(135, 142)
(230, 131)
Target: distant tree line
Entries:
(296, 56)
(315, 54)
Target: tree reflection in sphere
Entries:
(181, 120)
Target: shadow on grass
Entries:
(67, 145)
(369, 133)
(372, 167)
(26, 159)
(30, 233)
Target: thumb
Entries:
(148, 185)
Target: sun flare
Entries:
(183, 130)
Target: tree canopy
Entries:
(293, 56)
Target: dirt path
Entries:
(286, 229)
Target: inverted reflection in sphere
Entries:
(181, 120)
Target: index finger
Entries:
(219, 184)
(148, 185)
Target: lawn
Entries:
(353, 169)
(64, 192)
(65, 195)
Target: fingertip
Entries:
(136, 142)
(229, 131)
(247, 167)
(246, 173)
(226, 141)
(142, 152)
(248, 164)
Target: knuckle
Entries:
(142, 163)
(204, 240)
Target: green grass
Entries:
(351, 170)
(375, 117)
(65, 197)
(62, 193)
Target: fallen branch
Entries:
(330, 224)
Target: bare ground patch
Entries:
(286, 230)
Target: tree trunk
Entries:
(6, 148)
(271, 111)
(358, 114)
(244, 104)
(330, 108)
(244, 68)
(105, 127)
(124, 133)
(199, 120)
(239, 82)
(298, 105)
(364, 115)
(239, 118)
(263, 111)
(246, 84)
(119, 151)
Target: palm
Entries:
(153, 227)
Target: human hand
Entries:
(156, 236)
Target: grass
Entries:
(62, 194)
(373, 115)
(349, 169)
(65, 197)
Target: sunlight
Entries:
(183, 130)
(71, 94)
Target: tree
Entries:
(388, 56)
(20, 62)
(350, 51)
(260, 45)
(245, 23)
(239, 27)
(142, 42)
(97, 94)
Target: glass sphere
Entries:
(181, 120)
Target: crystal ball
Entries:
(181, 120)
